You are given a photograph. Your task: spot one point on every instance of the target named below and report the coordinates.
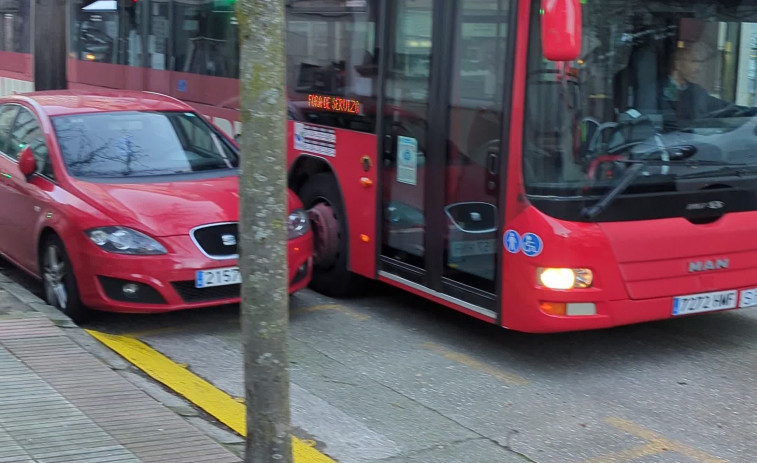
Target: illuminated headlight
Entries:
(122, 240)
(299, 223)
(564, 278)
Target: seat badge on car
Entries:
(229, 240)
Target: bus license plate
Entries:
(471, 248)
(217, 277)
(748, 298)
(705, 302)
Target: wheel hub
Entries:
(325, 235)
(54, 277)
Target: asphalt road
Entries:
(391, 377)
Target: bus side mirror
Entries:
(561, 29)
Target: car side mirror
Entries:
(26, 162)
(561, 29)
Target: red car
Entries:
(125, 201)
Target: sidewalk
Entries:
(61, 404)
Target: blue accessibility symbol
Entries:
(532, 245)
(512, 241)
(407, 155)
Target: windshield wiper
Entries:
(626, 179)
(668, 154)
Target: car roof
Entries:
(63, 102)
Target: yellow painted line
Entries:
(336, 308)
(507, 377)
(656, 444)
(631, 454)
(217, 403)
(667, 444)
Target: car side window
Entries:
(27, 132)
(7, 115)
(197, 137)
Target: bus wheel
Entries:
(321, 197)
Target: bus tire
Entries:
(322, 199)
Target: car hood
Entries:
(165, 209)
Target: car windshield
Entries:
(140, 143)
(672, 84)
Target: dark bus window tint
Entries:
(205, 35)
(332, 65)
(15, 26)
(107, 32)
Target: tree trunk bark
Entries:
(263, 230)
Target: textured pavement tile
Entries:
(60, 404)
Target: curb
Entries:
(35, 306)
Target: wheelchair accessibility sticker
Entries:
(530, 244)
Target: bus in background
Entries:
(542, 165)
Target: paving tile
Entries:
(60, 404)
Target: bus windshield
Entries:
(666, 87)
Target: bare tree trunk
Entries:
(263, 230)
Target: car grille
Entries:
(190, 294)
(217, 241)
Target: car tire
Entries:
(322, 199)
(58, 280)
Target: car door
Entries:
(28, 198)
(7, 116)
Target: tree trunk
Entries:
(263, 230)
(49, 45)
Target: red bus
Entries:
(544, 165)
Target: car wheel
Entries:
(59, 281)
(331, 276)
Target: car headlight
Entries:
(122, 240)
(299, 223)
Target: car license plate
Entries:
(705, 302)
(471, 248)
(217, 277)
(748, 298)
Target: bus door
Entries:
(442, 144)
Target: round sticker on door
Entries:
(532, 245)
(512, 241)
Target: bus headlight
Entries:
(564, 278)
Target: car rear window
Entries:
(141, 143)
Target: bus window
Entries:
(106, 32)
(15, 24)
(332, 65)
(205, 35)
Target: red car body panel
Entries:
(165, 211)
